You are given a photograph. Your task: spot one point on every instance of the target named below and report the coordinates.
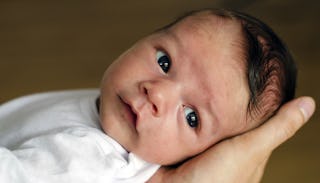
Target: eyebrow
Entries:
(212, 114)
(207, 110)
(173, 36)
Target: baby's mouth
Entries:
(129, 112)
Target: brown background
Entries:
(54, 45)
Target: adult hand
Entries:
(242, 158)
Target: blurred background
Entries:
(57, 45)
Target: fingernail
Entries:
(307, 106)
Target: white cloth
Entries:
(56, 137)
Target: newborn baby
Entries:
(206, 77)
(210, 75)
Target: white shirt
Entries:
(56, 137)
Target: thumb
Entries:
(284, 124)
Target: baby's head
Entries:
(208, 76)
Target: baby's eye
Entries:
(163, 61)
(191, 117)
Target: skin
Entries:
(242, 158)
(143, 108)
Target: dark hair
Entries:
(271, 70)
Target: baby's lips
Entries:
(130, 112)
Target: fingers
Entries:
(283, 125)
(307, 107)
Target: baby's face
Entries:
(177, 92)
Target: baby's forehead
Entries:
(206, 28)
(211, 29)
(208, 23)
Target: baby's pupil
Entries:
(164, 63)
(192, 119)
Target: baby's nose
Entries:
(163, 95)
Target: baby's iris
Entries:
(163, 61)
(191, 117)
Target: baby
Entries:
(206, 77)
(210, 75)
